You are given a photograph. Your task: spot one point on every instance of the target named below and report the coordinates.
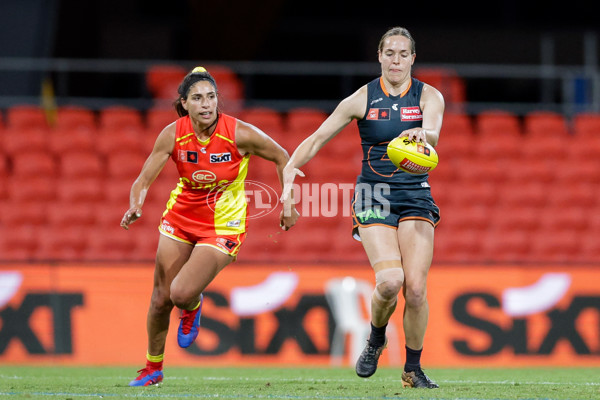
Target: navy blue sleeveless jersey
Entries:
(385, 118)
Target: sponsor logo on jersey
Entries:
(204, 176)
(226, 243)
(378, 114)
(411, 114)
(188, 156)
(220, 157)
(377, 100)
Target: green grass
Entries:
(20, 382)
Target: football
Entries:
(411, 156)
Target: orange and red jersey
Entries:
(209, 199)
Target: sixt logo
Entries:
(220, 157)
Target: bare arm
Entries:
(154, 164)
(251, 140)
(352, 107)
(432, 104)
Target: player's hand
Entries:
(415, 135)
(288, 216)
(131, 216)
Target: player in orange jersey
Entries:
(204, 224)
(395, 224)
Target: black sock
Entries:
(377, 337)
(413, 359)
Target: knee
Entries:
(389, 282)
(182, 297)
(415, 295)
(160, 302)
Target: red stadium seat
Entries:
(523, 218)
(304, 121)
(586, 125)
(34, 139)
(88, 190)
(65, 243)
(71, 213)
(111, 243)
(533, 194)
(497, 124)
(81, 164)
(125, 164)
(21, 244)
(506, 246)
(109, 141)
(31, 188)
(158, 118)
(72, 140)
(19, 211)
(26, 116)
(543, 124)
(121, 118)
(75, 117)
(34, 163)
(447, 82)
(266, 119)
(164, 79)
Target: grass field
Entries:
(70, 383)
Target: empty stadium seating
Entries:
(510, 188)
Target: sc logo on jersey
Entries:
(220, 157)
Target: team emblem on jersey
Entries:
(220, 157)
(378, 114)
(204, 176)
(411, 114)
(188, 156)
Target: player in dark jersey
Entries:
(200, 234)
(393, 211)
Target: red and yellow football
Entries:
(412, 157)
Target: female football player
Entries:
(396, 231)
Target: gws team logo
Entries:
(220, 157)
(377, 114)
(260, 198)
(204, 176)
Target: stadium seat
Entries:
(81, 164)
(494, 124)
(542, 124)
(304, 121)
(72, 140)
(571, 219)
(23, 211)
(157, 118)
(16, 140)
(21, 244)
(71, 213)
(532, 170)
(109, 141)
(111, 243)
(26, 116)
(579, 170)
(447, 81)
(457, 124)
(163, 80)
(121, 118)
(25, 188)
(125, 164)
(551, 148)
(586, 125)
(509, 218)
(453, 247)
(560, 246)
(506, 246)
(533, 194)
(574, 194)
(88, 190)
(507, 150)
(75, 117)
(65, 243)
(229, 86)
(34, 163)
(268, 120)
